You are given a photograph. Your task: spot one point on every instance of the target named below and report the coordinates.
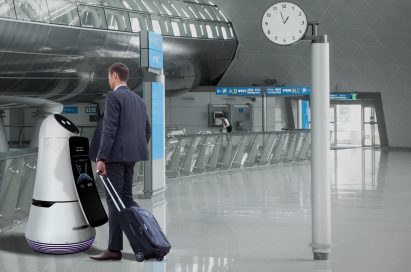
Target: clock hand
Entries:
(282, 17)
(286, 19)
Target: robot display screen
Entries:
(89, 198)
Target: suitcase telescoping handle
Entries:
(110, 189)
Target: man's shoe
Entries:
(107, 255)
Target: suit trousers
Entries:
(121, 176)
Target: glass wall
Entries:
(7, 9)
(188, 18)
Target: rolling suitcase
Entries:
(141, 228)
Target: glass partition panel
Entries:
(113, 3)
(186, 30)
(221, 14)
(202, 32)
(175, 24)
(193, 12)
(88, 2)
(7, 9)
(224, 31)
(161, 25)
(159, 7)
(156, 25)
(209, 11)
(200, 11)
(140, 22)
(232, 31)
(216, 30)
(148, 5)
(63, 13)
(133, 5)
(215, 12)
(118, 20)
(193, 29)
(166, 5)
(180, 6)
(135, 22)
(92, 17)
(175, 9)
(32, 10)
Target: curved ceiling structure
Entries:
(61, 50)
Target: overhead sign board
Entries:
(343, 96)
(70, 109)
(152, 50)
(240, 91)
(288, 91)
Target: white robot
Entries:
(56, 224)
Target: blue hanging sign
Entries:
(70, 109)
(157, 120)
(288, 91)
(155, 59)
(343, 96)
(239, 91)
(151, 48)
(155, 41)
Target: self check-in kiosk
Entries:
(60, 219)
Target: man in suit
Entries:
(125, 134)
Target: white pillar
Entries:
(264, 111)
(320, 170)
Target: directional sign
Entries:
(288, 91)
(239, 91)
(343, 96)
(151, 50)
(155, 59)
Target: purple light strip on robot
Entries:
(60, 248)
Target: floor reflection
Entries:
(259, 219)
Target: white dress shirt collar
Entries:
(121, 85)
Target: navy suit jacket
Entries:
(122, 135)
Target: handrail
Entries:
(202, 153)
(235, 133)
(19, 153)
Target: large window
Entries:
(188, 18)
(140, 22)
(7, 9)
(32, 10)
(63, 12)
(92, 17)
(118, 20)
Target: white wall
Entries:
(190, 111)
(369, 52)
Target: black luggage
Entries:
(141, 228)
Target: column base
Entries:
(319, 256)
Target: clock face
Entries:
(284, 23)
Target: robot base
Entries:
(60, 249)
(58, 229)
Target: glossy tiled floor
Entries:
(260, 220)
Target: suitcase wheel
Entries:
(160, 259)
(139, 256)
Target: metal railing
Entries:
(185, 155)
(195, 154)
(17, 176)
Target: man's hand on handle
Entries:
(101, 168)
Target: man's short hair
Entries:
(120, 69)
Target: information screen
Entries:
(87, 193)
